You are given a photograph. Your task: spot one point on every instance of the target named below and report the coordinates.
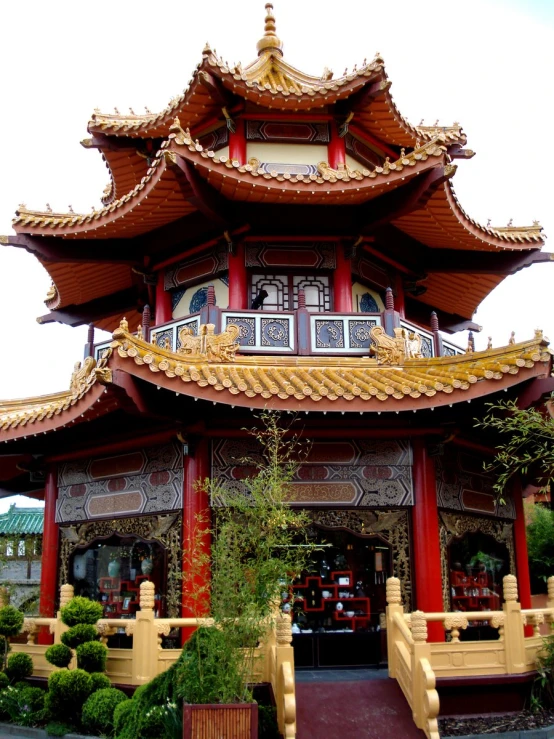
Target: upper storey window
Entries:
(282, 291)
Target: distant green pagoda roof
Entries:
(22, 521)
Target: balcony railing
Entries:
(297, 332)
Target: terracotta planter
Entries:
(214, 721)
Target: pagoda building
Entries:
(274, 240)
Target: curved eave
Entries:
(242, 182)
(442, 223)
(50, 413)
(458, 293)
(154, 202)
(334, 384)
(126, 169)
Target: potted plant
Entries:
(259, 546)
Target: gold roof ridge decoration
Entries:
(21, 412)
(333, 378)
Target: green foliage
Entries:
(98, 711)
(11, 621)
(210, 672)
(122, 715)
(99, 681)
(267, 722)
(81, 610)
(540, 545)
(4, 680)
(542, 697)
(20, 666)
(67, 692)
(79, 634)
(92, 656)
(259, 546)
(24, 706)
(59, 655)
(525, 442)
(58, 728)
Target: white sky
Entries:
(488, 65)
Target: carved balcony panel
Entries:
(335, 333)
(263, 332)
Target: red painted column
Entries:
(163, 311)
(342, 282)
(336, 148)
(425, 536)
(522, 561)
(238, 279)
(237, 143)
(49, 568)
(399, 300)
(195, 503)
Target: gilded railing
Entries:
(273, 662)
(416, 663)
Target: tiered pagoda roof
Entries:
(171, 191)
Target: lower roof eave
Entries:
(307, 404)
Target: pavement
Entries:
(352, 704)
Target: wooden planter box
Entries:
(216, 721)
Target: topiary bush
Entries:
(59, 655)
(92, 656)
(4, 680)
(11, 622)
(81, 610)
(67, 692)
(20, 666)
(122, 715)
(98, 711)
(79, 634)
(31, 705)
(99, 681)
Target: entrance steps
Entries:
(352, 704)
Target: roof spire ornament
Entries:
(270, 41)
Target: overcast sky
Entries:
(488, 65)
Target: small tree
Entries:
(526, 442)
(259, 546)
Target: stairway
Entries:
(352, 704)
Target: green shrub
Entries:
(59, 655)
(81, 610)
(67, 692)
(23, 706)
(20, 666)
(122, 715)
(91, 656)
(98, 711)
(58, 728)
(4, 680)
(11, 621)
(99, 681)
(79, 634)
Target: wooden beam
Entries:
(363, 97)
(221, 95)
(202, 195)
(94, 310)
(452, 261)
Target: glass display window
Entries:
(345, 591)
(111, 571)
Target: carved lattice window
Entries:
(283, 291)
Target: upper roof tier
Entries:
(173, 188)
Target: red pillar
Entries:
(426, 542)
(238, 279)
(399, 300)
(237, 143)
(342, 282)
(49, 568)
(163, 311)
(195, 503)
(336, 148)
(522, 561)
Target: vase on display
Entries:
(146, 566)
(114, 568)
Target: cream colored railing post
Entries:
(514, 641)
(394, 605)
(549, 618)
(285, 695)
(425, 699)
(145, 638)
(67, 592)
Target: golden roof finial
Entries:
(270, 40)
